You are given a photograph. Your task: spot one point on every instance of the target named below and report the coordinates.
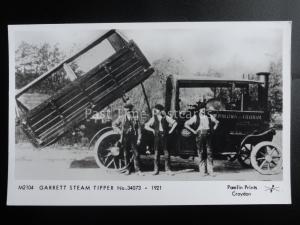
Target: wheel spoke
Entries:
(247, 156)
(272, 151)
(274, 162)
(269, 168)
(261, 165)
(108, 154)
(110, 162)
(115, 165)
(261, 158)
(106, 157)
(263, 154)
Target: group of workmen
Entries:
(201, 124)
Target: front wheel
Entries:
(109, 154)
(266, 158)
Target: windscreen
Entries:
(245, 98)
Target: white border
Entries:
(173, 192)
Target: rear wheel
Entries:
(109, 154)
(266, 158)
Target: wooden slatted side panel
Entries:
(92, 75)
(73, 98)
(97, 88)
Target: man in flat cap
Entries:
(203, 125)
(128, 125)
(161, 126)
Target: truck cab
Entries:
(240, 105)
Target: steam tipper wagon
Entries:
(109, 80)
(241, 106)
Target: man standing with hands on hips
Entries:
(203, 125)
(161, 126)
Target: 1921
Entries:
(156, 187)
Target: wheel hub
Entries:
(269, 158)
(115, 151)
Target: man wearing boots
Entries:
(203, 125)
(161, 126)
(128, 125)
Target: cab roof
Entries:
(196, 81)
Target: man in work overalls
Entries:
(128, 125)
(203, 125)
(161, 126)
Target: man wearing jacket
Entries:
(128, 125)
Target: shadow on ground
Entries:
(177, 164)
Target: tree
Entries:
(275, 86)
(32, 61)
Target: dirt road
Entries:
(77, 163)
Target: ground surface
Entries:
(77, 163)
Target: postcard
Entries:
(189, 113)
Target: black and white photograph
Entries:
(141, 109)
